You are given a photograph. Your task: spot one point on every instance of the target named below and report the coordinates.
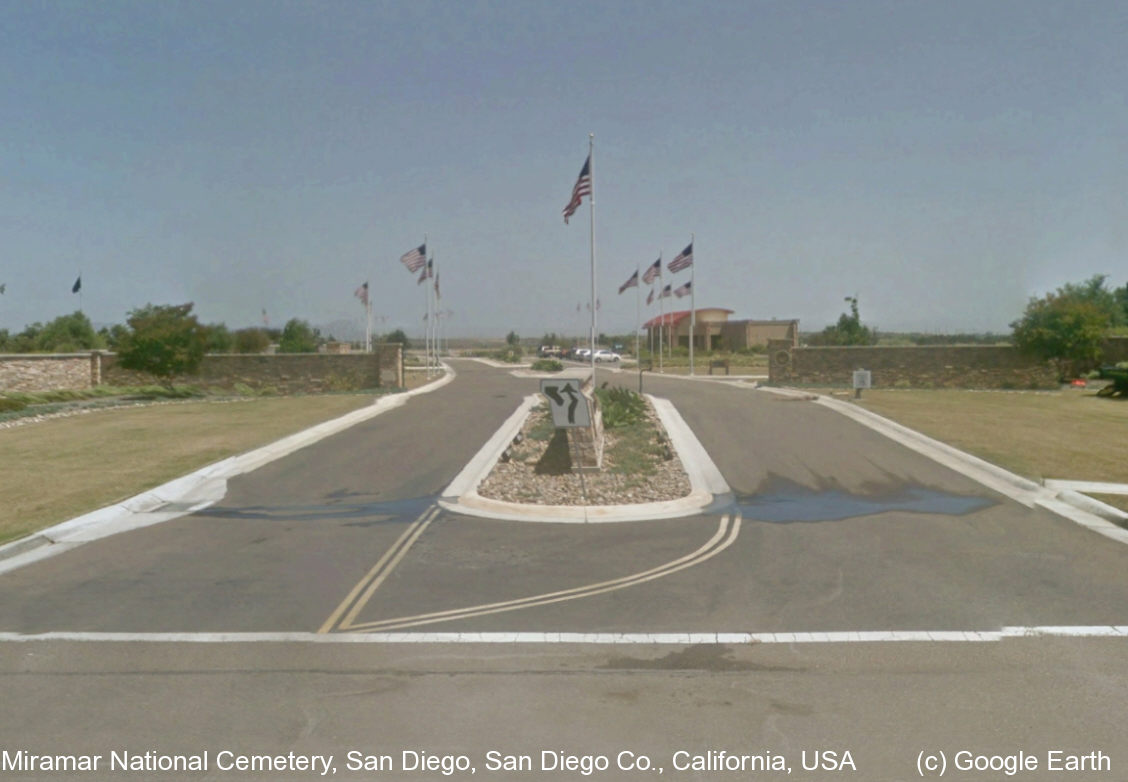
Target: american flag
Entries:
(428, 271)
(414, 259)
(631, 283)
(684, 259)
(581, 189)
(650, 298)
(437, 294)
(654, 270)
(684, 290)
(665, 292)
(362, 294)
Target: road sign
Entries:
(568, 404)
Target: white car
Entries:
(583, 353)
(607, 355)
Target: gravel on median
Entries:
(638, 466)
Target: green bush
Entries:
(547, 365)
(621, 407)
(510, 355)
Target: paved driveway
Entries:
(833, 529)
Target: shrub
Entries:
(10, 405)
(621, 407)
(547, 365)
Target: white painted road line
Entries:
(675, 639)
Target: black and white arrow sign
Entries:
(569, 406)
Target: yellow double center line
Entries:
(363, 591)
(726, 534)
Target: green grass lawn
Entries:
(64, 467)
(1069, 435)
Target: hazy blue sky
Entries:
(943, 161)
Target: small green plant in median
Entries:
(547, 365)
(621, 407)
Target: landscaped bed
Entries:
(639, 464)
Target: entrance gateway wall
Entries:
(931, 366)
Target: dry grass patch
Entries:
(61, 468)
(1069, 435)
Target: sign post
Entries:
(862, 379)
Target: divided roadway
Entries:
(839, 529)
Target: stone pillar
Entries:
(95, 368)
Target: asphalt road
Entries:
(833, 529)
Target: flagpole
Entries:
(638, 309)
(661, 311)
(435, 313)
(692, 304)
(591, 206)
(638, 321)
(368, 321)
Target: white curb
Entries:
(1085, 511)
(189, 493)
(706, 481)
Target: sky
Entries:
(942, 161)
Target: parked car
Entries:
(582, 353)
(607, 355)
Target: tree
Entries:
(68, 334)
(1121, 296)
(298, 337)
(396, 336)
(219, 339)
(113, 335)
(848, 331)
(251, 340)
(1067, 326)
(164, 341)
(512, 339)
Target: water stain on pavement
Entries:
(788, 503)
(700, 657)
(357, 515)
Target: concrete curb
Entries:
(706, 481)
(1085, 511)
(189, 493)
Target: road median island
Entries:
(653, 468)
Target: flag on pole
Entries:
(361, 293)
(684, 259)
(652, 272)
(684, 290)
(631, 283)
(265, 320)
(3, 286)
(666, 292)
(437, 294)
(77, 285)
(428, 271)
(582, 188)
(415, 259)
(650, 298)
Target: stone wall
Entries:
(939, 366)
(48, 371)
(284, 373)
